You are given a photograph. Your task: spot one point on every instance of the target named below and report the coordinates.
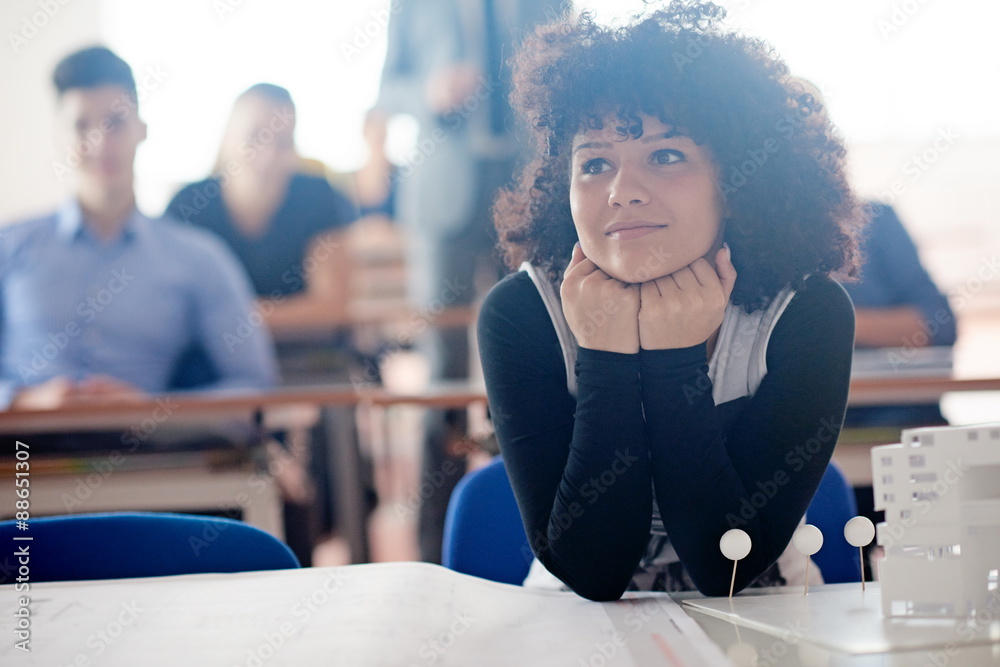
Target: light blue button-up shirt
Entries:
(74, 305)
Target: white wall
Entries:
(27, 114)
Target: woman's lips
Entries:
(625, 232)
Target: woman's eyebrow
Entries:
(649, 138)
(592, 144)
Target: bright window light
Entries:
(888, 75)
(204, 54)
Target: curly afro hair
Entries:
(789, 209)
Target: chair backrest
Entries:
(119, 545)
(832, 507)
(484, 536)
(483, 533)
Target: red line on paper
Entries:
(662, 644)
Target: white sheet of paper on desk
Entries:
(398, 614)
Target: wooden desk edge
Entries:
(907, 390)
(880, 391)
(345, 396)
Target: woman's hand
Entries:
(603, 313)
(686, 307)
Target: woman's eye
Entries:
(667, 156)
(594, 166)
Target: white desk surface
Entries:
(392, 614)
(414, 614)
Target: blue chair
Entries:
(483, 533)
(484, 536)
(120, 545)
(832, 507)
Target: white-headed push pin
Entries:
(859, 532)
(807, 540)
(735, 545)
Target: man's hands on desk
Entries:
(63, 391)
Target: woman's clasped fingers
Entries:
(601, 312)
(686, 307)
(579, 264)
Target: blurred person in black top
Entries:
(287, 227)
(289, 230)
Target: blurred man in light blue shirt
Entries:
(99, 300)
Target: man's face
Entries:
(100, 126)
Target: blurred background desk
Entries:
(903, 390)
(854, 446)
(219, 478)
(216, 479)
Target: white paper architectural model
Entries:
(940, 489)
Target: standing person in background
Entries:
(289, 230)
(445, 65)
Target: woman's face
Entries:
(644, 208)
(260, 136)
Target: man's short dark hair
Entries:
(91, 68)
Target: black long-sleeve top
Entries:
(583, 469)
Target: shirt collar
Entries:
(71, 224)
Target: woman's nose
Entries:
(627, 189)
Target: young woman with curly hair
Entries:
(673, 358)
